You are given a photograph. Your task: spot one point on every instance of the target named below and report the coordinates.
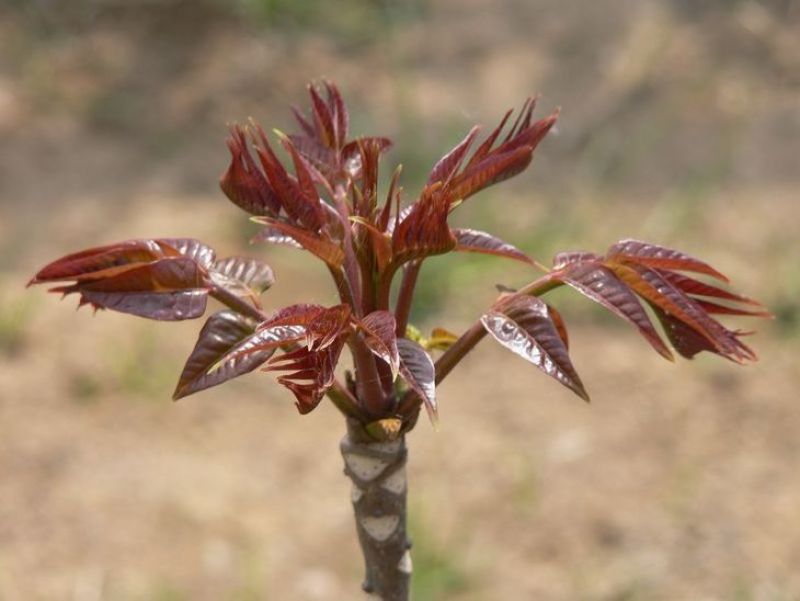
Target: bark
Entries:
(378, 473)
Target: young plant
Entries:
(329, 205)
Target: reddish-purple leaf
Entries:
(417, 369)
(327, 326)
(301, 202)
(688, 341)
(304, 123)
(351, 155)
(369, 151)
(528, 135)
(659, 257)
(386, 211)
(379, 328)
(651, 286)
(697, 288)
(200, 252)
(424, 231)
(597, 282)
(558, 322)
(312, 372)
(221, 334)
(252, 273)
(242, 276)
(271, 235)
(100, 262)
(381, 244)
(244, 183)
(313, 214)
(318, 155)
(341, 118)
(299, 314)
(568, 258)
(523, 325)
(169, 289)
(486, 146)
(323, 120)
(468, 240)
(494, 169)
(716, 308)
(326, 250)
(448, 165)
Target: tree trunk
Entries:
(378, 472)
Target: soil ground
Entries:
(679, 482)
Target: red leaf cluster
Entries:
(325, 198)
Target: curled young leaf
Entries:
(523, 325)
(330, 252)
(198, 251)
(244, 183)
(327, 325)
(489, 166)
(312, 372)
(243, 276)
(169, 289)
(221, 334)
(494, 169)
(102, 261)
(424, 231)
(449, 164)
(379, 329)
(417, 369)
(297, 196)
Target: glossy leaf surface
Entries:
(328, 251)
(221, 334)
(170, 289)
(379, 329)
(468, 240)
(598, 283)
(102, 261)
(416, 368)
(243, 276)
(244, 183)
(651, 286)
(311, 372)
(653, 255)
(523, 325)
(424, 231)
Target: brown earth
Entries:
(679, 482)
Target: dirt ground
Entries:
(678, 483)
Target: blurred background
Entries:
(680, 124)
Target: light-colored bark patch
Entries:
(396, 482)
(380, 528)
(365, 468)
(405, 564)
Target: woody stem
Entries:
(377, 471)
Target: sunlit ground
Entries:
(678, 482)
